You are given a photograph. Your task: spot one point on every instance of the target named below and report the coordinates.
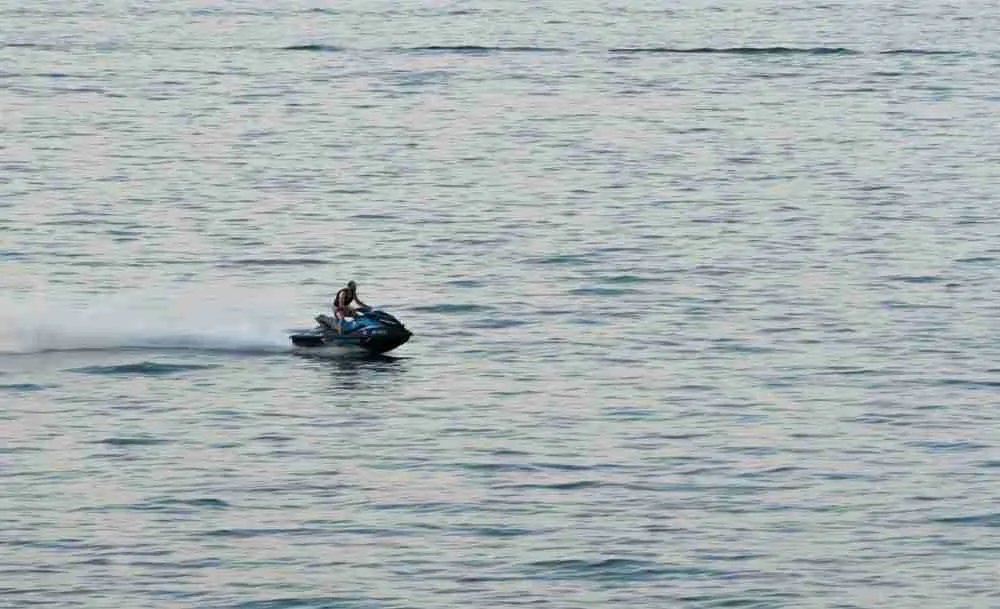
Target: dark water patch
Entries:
(553, 486)
(489, 579)
(601, 291)
(777, 75)
(67, 90)
(335, 526)
(499, 531)
(201, 502)
(23, 571)
(298, 486)
(916, 278)
(869, 188)
(340, 191)
(472, 49)
(206, 72)
(851, 371)
(777, 50)
(467, 283)
(765, 473)
(193, 563)
(470, 430)
(427, 507)
(132, 441)
(736, 347)
(63, 543)
(10, 450)
(791, 329)
(166, 505)
(614, 569)
(247, 533)
(568, 259)
(927, 498)
(618, 249)
(668, 436)
(980, 520)
(17, 387)
(143, 368)
(124, 236)
(714, 602)
(922, 52)
(176, 47)
(308, 602)
(966, 221)
(734, 556)
(507, 452)
(378, 217)
(28, 45)
(970, 383)
(317, 48)
(97, 264)
(947, 446)
(630, 414)
(899, 419)
(895, 304)
(273, 437)
(571, 467)
(627, 279)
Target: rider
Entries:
(342, 301)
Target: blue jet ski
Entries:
(370, 329)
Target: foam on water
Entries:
(42, 327)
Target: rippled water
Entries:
(703, 302)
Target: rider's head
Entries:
(351, 285)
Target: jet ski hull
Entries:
(373, 344)
(372, 331)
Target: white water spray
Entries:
(43, 326)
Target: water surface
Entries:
(703, 301)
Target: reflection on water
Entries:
(351, 371)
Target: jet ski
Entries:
(370, 329)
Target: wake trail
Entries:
(34, 331)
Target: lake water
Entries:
(703, 301)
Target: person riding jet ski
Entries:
(342, 302)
